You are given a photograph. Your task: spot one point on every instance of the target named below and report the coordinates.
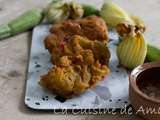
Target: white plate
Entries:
(109, 93)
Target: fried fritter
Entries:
(92, 27)
(78, 67)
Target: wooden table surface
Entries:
(14, 54)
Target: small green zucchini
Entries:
(90, 10)
(153, 53)
(23, 23)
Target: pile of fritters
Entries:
(79, 53)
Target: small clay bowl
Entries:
(144, 90)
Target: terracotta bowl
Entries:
(144, 88)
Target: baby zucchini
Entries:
(153, 53)
(23, 23)
(90, 10)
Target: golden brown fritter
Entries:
(76, 44)
(79, 66)
(92, 27)
(72, 80)
(80, 58)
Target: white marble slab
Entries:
(112, 92)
